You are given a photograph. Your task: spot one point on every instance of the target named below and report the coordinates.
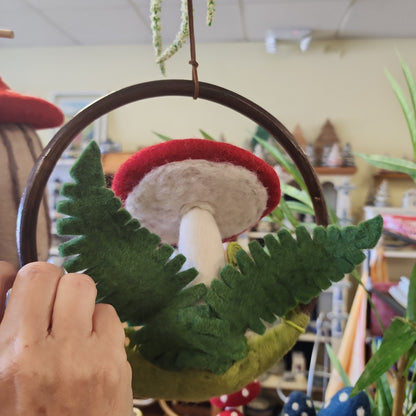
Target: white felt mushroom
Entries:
(196, 194)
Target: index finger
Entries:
(31, 300)
(74, 306)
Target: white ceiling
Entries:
(102, 22)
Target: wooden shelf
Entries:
(400, 254)
(324, 170)
(273, 381)
(112, 161)
(388, 174)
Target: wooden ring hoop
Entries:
(36, 183)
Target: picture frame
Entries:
(70, 104)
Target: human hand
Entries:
(60, 353)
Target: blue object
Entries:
(342, 405)
(298, 404)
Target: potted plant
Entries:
(397, 352)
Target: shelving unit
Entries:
(406, 255)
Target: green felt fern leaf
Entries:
(206, 342)
(290, 271)
(133, 272)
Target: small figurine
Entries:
(382, 196)
(409, 199)
(325, 155)
(347, 156)
(334, 157)
(310, 153)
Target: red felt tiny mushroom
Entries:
(196, 194)
(239, 398)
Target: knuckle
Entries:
(79, 280)
(107, 309)
(39, 267)
(38, 270)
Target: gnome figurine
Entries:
(20, 146)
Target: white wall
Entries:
(340, 80)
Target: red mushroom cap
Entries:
(239, 398)
(26, 109)
(188, 156)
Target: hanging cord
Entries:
(193, 61)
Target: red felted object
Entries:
(25, 109)
(239, 398)
(141, 163)
(151, 157)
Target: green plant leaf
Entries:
(278, 214)
(407, 109)
(293, 192)
(300, 208)
(384, 396)
(411, 84)
(338, 366)
(411, 297)
(391, 163)
(412, 386)
(283, 160)
(333, 219)
(162, 136)
(411, 355)
(397, 340)
(206, 135)
(283, 205)
(383, 393)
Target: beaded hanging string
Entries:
(182, 35)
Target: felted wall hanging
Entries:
(191, 343)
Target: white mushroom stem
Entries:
(200, 242)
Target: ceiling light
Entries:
(301, 36)
(304, 43)
(270, 42)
